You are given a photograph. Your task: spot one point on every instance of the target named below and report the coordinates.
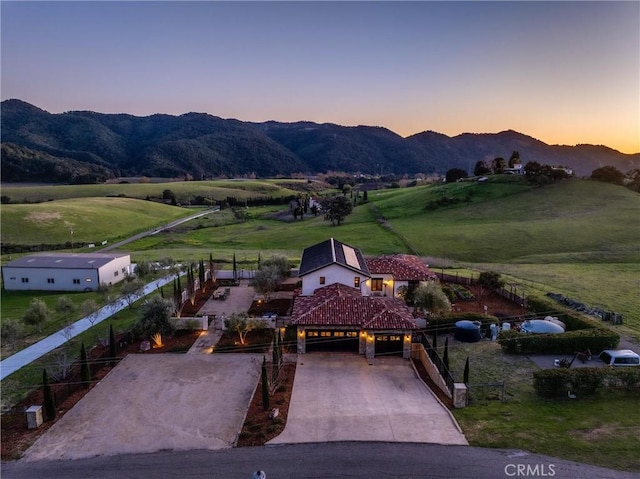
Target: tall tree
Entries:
(481, 168)
(113, 352)
(608, 174)
(235, 268)
(49, 400)
(465, 375)
(455, 174)
(445, 355)
(489, 280)
(85, 370)
(265, 385)
(336, 209)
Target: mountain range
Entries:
(85, 146)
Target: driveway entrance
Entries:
(153, 402)
(340, 397)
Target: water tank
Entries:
(467, 331)
(541, 326)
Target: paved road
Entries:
(20, 359)
(315, 461)
(154, 231)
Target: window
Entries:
(312, 334)
(352, 334)
(325, 334)
(338, 334)
(322, 280)
(88, 280)
(76, 281)
(115, 273)
(25, 280)
(356, 282)
(376, 284)
(51, 280)
(124, 270)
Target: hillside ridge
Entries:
(200, 145)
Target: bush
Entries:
(514, 342)
(583, 381)
(581, 334)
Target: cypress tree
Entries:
(112, 345)
(265, 385)
(274, 360)
(235, 268)
(445, 356)
(85, 371)
(49, 401)
(466, 372)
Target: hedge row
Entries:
(584, 381)
(582, 333)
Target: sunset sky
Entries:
(563, 72)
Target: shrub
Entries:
(583, 381)
(514, 342)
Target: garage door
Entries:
(388, 344)
(331, 340)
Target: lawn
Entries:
(92, 220)
(601, 430)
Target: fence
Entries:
(438, 362)
(482, 386)
(511, 294)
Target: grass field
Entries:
(218, 190)
(92, 220)
(601, 429)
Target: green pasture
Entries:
(261, 233)
(600, 429)
(92, 220)
(215, 189)
(575, 221)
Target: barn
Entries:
(65, 271)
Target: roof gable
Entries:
(402, 267)
(329, 252)
(340, 305)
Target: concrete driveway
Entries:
(157, 402)
(340, 397)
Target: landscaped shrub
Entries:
(581, 334)
(595, 340)
(583, 381)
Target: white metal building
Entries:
(65, 271)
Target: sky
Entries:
(562, 72)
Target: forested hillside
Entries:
(83, 146)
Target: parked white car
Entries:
(620, 357)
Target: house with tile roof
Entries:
(348, 302)
(388, 273)
(65, 271)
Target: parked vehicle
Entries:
(620, 357)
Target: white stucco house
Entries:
(65, 271)
(348, 302)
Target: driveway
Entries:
(340, 397)
(156, 402)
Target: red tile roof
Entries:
(340, 305)
(403, 267)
